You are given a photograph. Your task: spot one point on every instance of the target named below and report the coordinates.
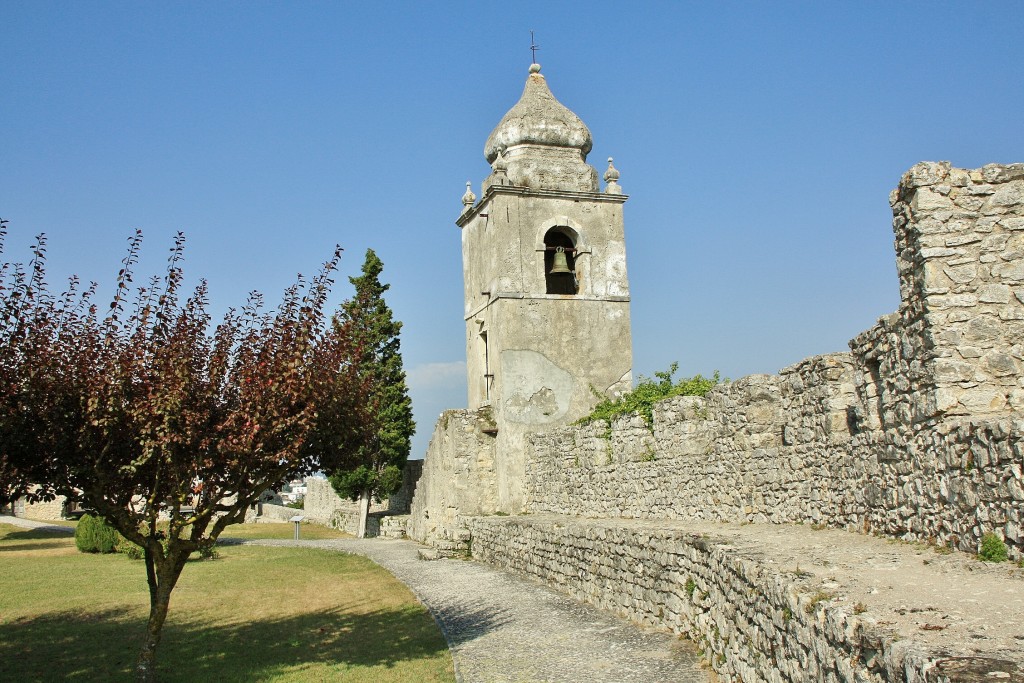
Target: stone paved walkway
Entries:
(33, 524)
(505, 629)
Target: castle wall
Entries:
(747, 618)
(458, 479)
(794, 606)
(918, 433)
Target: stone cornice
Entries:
(543, 297)
(472, 212)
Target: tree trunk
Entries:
(162, 577)
(364, 512)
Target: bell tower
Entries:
(546, 294)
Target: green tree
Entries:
(377, 452)
(167, 432)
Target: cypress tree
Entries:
(377, 454)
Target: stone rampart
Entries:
(806, 607)
(918, 433)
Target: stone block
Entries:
(1009, 195)
(994, 293)
(983, 400)
(1001, 173)
(1012, 272)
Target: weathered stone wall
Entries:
(322, 505)
(954, 347)
(918, 433)
(458, 479)
(755, 620)
(272, 512)
(761, 449)
(736, 613)
(47, 509)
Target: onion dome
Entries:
(538, 119)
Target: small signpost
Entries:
(298, 520)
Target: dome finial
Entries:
(611, 176)
(534, 66)
(469, 198)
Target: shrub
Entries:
(94, 535)
(129, 549)
(648, 392)
(992, 549)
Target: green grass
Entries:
(254, 614)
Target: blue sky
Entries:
(758, 143)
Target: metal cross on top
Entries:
(533, 47)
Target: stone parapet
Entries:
(781, 449)
(780, 603)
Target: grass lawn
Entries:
(253, 614)
(307, 532)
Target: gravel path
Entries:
(505, 629)
(32, 524)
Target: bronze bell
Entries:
(559, 265)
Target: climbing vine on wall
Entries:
(648, 392)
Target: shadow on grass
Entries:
(16, 540)
(49, 533)
(103, 645)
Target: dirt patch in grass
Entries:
(256, 613)
(282, 530)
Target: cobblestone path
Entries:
(505, 629)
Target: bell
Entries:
(559, 265)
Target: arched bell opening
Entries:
(560, 261)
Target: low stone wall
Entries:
(45, 510)
(756, 620)
(322, 505)
(270, 512)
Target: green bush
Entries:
(94, 535)
(129, 549)
(992, 549)
(648, 392)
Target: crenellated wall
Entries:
(918, 433)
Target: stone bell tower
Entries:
(546, 294)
